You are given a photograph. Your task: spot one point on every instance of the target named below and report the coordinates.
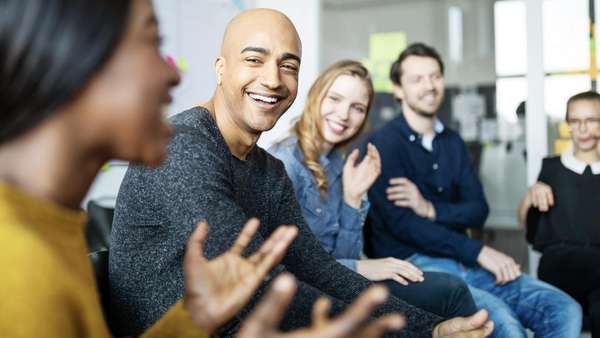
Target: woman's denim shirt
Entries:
(337, 225)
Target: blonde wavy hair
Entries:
(308, 128)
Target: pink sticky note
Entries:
(171, 61)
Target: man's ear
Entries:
(398, 91)
(219, 69)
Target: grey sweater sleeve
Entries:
(309, 262)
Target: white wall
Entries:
(193, 30)
(306, 16)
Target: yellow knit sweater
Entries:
(47, 284)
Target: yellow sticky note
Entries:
(384, 49)
(183, 66)
(560, 145)
(564, 131)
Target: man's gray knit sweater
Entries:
(157, 209)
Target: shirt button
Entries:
(412, 138)
(440, 189)
(435, 166)
(318, 210)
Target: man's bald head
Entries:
(256, 21)
(257, 71)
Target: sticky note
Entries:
(170, 61)
(182, 65)
(384, 48)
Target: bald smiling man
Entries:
(214, 171)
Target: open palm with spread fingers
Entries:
(263, 322)
(216, 290)
(358, 178)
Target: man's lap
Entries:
(522, 292)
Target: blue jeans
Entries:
(522, 303)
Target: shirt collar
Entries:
(439, 126)
(569, 160)
(412, 135)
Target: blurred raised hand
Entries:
(217, 289)
(357, 178)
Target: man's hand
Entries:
(401, 271)
(540, 196)
(216, 290)
(358, 178)
(404, 193)
(263, 322)
(475, 326)
(502, 266)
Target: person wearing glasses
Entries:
(561, 210)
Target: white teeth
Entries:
(266, 99)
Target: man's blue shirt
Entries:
(444, 176)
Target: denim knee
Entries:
(506, 322)
(563, 317)
(506, 325)
(567, 310)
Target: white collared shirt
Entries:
(569, 160)
(427, 141)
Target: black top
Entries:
(575, 216)
(157, 210)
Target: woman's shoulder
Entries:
(552, 163)
(287, 150)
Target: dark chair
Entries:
(97, 233)
(98, 228)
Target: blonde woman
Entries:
(332, 191)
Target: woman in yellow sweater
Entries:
(82, 82)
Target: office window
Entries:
(570, 59)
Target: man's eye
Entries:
(289, 67)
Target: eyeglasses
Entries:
(591, 123)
